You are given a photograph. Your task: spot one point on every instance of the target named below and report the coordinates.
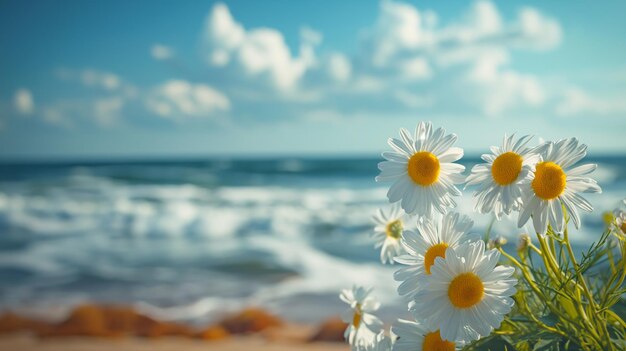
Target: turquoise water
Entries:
(190, 240)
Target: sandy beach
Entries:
(97, 327)
(25, 342)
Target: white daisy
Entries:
(380, 343)
(501, 177)
(429, 242)
(619, 223)
(414, 336)
(553, 185)
(466, 296)
(388, 232)
(422, 171)
(362, 324)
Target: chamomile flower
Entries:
(554, 184)
(422, 170)
(362, 324)
(388, 233)
(426, 244)
(380, 343)
(619, 223)
(502, 176)
(466, 296)
(414, 336)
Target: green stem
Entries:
(531, 282)
(585, 287)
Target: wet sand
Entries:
(26, 342)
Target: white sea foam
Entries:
(184, 251)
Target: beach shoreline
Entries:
(29, 342)
(104, 327)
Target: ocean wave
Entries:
(194, 248)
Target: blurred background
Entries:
(195, 158)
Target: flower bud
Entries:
(496, 243)
(523, 242)
(608, 218)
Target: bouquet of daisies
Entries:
(464, 290)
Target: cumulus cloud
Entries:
(102, 79)
(107, 111)
(24, 102)
(259, 52)
(406, 61)
(400, 28)
(161, 52)
(537, 31)
(502, 88)
(179, 99)
(109, 94)
(339, 67)
(92, 78)
(576, 101)
(72, 112)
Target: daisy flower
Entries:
(381, 343)
(388, 232)
(414, 336)
(429, 242)
(422, 170)
(502, 176)
(619, 223)
(362, 324)
(466, 296)
(553, 184)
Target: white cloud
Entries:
(407, 60)
(339, 67)
(223, 35)
(93, 78)
(399, 28)
(415, 69)
(406, 44)
(482, 22)
(260, 52)
(412, 100)
(483, 25)
(58, 114)
(24, 102)
(537, 31)
(310, 36)
(501, 88)
(161, 52)
(104, 80)
(107, 111)
(576, 101)
(178, 99)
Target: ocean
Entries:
(191, 240)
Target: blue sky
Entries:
(87, 79)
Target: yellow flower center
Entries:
(433, 342)
(465, 290)
(394, 229)
(549, 180)
(608, 217)
(433, 252)
(423, 168)
(506, 168)
(356, 319)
